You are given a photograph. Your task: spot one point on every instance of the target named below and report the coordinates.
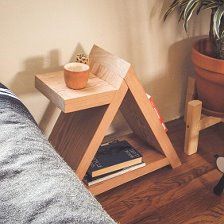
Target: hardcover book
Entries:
(112, 157)
(94, 180)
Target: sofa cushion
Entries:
(37, 186)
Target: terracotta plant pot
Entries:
(209, 76)
(76, 75)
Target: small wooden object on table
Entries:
(87, 114)
(197, 118)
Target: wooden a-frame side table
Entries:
(87, 114)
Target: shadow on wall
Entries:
(160, 52)
(157, 12)
(169, 86)
(24, 81)
(179, 67)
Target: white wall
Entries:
(40, 36)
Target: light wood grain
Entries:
(107, 66)
(78, 135)
(100, 131)
(154, 160)
(137, 121)
(195, 123)
(208, 121)
(151, 118)
(192, 126)
(197, 120)
(183, 195)
(73, 132)
(97, 93)
(126, 177)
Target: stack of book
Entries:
(111, 160)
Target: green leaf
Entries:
(175, 4)
(181, 15)
(172, 7)
(217, 20)
(222, 34)
(182, 9)
(207, 5)
(191, 6)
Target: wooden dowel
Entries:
(208, 122)
(192, 126)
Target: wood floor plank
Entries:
(190, 199)
(182, 195)
(215, 214)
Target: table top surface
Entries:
(97, 92)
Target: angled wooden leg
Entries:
(77, 136)
(73, 132)
(151, 118)
(137, 121)
(192, 127)
(191, 91)
(101, 131)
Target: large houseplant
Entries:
(207, 53)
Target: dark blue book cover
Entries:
(113, 157)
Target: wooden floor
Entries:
(183, 195)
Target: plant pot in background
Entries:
(209, 77)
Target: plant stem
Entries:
(212, 36)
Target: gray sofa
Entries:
(36, 185)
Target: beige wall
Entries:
(40, 36)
